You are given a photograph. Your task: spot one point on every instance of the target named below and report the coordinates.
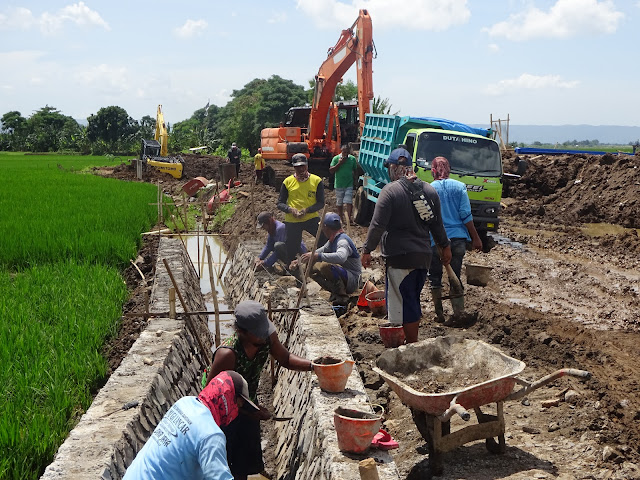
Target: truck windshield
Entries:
(466, 155)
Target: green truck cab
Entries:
(474, 157)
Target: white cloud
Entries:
(191, 28)
(77, 13)
(434, 15)
(567, 18)
(494, 48)
(279, 17)
(105, 79)
(526, 81)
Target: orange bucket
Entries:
(355, 429)
(332, 373)
(377, 302)
(392, 335)
(362, 300)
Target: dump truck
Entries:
(473, 154)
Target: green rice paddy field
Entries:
(65, 236)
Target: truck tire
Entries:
(362, 207)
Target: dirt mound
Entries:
(574, 189)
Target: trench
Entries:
(165, 364)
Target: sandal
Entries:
(384, 441)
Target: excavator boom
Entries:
(161, 135)
(355, 45)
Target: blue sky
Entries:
(546, 62)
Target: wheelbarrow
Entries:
(444, 376)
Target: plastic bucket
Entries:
(392, 335)
(377, 302)
(332, 373)
(478, 275)
(227, 172)
(369, 287)
(355, 429)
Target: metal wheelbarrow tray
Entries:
(471, 373)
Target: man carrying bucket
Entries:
(407, 211)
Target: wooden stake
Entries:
(172, 303)
(306, 274)
(273, 375)
(188, 321)
(215, 296)
(224, 265)
(368, 469)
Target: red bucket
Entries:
(355, 429)
(392, 335)
(377, 303)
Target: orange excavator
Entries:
(319, 130)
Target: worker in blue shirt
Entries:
(275, 248)
(458, 223)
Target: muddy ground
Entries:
(563, 293)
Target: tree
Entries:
(382, 106)
(113, 126)
(147, 127)
(259, 104)
(12, 131)
(48, 129)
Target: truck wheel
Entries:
(362, 207)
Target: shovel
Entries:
(454, 281)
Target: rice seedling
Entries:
(65, 237)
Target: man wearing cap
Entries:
(458, 223)
(188, 442)
(336, 266)
(343, 167)
(246, 352)
(407, 211)
(233, 156)
(301, 196)
(275, 248)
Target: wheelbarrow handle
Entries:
(455, 407)
(548, 379)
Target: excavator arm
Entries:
(355, 45)
(161, 135)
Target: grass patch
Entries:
(65, 237)
(55, 320)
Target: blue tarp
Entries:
(457, 126)
(555, 151)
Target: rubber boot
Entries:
(436, 296)
(457, 303)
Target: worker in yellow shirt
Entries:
(301, 196)
(260, 164)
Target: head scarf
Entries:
(440, 168)
(220, 398)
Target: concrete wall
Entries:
(162, 366)
(307, 446)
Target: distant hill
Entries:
(605, 134)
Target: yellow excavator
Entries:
(155, 152)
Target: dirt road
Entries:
(563, 296)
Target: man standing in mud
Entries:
(233, 156)
(458, 223)
(301, 196)
(407, 211)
